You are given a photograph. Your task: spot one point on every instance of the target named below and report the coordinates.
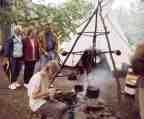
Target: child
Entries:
(38, 92)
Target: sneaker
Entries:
(25, 85)
(12, 86)
(51, 86)
(17, 84)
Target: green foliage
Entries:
(65, 17)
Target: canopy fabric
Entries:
(130, 15)
(116, 36)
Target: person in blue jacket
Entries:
(13, 50)
(48, 45)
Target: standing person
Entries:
(49, 45)
(137, 62)
(38, 91)
(31, 55)
(13, 50)
(137, 59)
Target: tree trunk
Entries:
(5, 32)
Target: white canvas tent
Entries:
(117, 39)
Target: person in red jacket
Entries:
(31, 55)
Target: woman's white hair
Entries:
(52, 65)
(18, 28)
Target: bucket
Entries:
(130, 84)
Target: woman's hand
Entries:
(51, 93)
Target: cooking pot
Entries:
(92, 92)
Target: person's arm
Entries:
(24, 46)
(8, 48)
(41, 44)
(37, 94)
(55, 42)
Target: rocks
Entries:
(96, 109)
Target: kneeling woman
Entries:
(38, 92)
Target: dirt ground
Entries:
(14, 104)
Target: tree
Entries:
(65, 17)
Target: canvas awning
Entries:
(116, 36)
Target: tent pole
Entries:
(73, 46)
(95, 32)
(111, 56)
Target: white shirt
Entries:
(37, 81)
(17, 47)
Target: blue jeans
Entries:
(45, 59)
(15, 67)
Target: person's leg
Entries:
(43, 117)
(32, 68)
(13, 70)
(28, 71)
(53, 110)
(43, 61)
(37, 67)
(15, 66)
(18, 69)
(51, 55)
